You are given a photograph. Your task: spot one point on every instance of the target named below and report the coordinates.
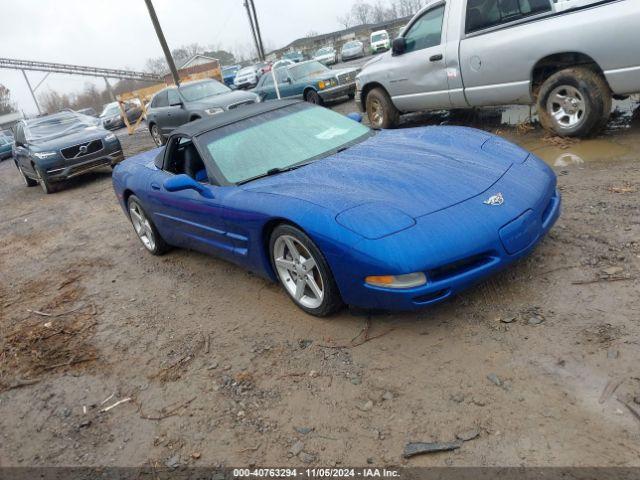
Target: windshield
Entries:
(230, 69)
(351, 45)
(53, 126)
(308, 69)
(279, 140)
(110, 110)
(200, 90)
(247, 70)
(4, 140)
(379, 36)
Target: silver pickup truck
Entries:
(569, 61)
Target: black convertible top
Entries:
(231, 116)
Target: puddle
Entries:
(625, 113)
(575, 154)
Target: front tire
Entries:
(46, 185)
(303, 272)
(574, 102)
(145, 229)
(381, 111)
(313, 97)
(158, 139)
(29, 182)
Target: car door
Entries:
(177, 113)
(160, 111)
(417, 77)
(189, 218)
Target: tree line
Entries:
(364, 12)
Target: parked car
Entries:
(336, 212)
(509, 54)
(54, 148)
(351, 50)
(311, 81)
(326, 55)
(6, 145)
(296, 56)
(88, 111)
(111, 116)
(248, 77)
(379, 41)
(174, 106)
(229, 74)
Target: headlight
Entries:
(409, 280)
(43, 155)
(213, 111)
(110, 137)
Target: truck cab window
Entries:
(426, 31)
(483, 14)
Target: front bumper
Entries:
(244, 84)
(64, 170)
(333, 93)
(456, 248)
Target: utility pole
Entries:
(253, 30)
(33, 94)
(109, 89)
(258, 35)
(163, 42)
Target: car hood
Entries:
(415, 171)
(223, 100)
(73, 138)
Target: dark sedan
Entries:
(111, 116)
(173, 106)
(64, 145)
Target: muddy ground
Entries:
(221, 369)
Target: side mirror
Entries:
(355, 116)
(399, 45)
(181, 182)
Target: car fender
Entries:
(253, 215)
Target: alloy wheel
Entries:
(376, 115)
(567, 106)
(298, 271)
(142, 226)
(155, 134)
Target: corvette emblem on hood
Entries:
(496, 200)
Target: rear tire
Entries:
(303, 271)
(381, 111)
(145, 229)
(574, 102)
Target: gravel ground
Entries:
(215, 366)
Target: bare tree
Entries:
(381, 13)
(6, 104)
(362, 12)
(345, 20)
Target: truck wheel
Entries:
(381, 111)
(574, 102)
(46, 185)
(29, 182)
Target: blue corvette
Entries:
(339, 213)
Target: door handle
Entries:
(435, 58)
(155, 186)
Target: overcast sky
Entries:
(119, 34)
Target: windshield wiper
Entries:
(274, 171)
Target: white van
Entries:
(379, 41)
